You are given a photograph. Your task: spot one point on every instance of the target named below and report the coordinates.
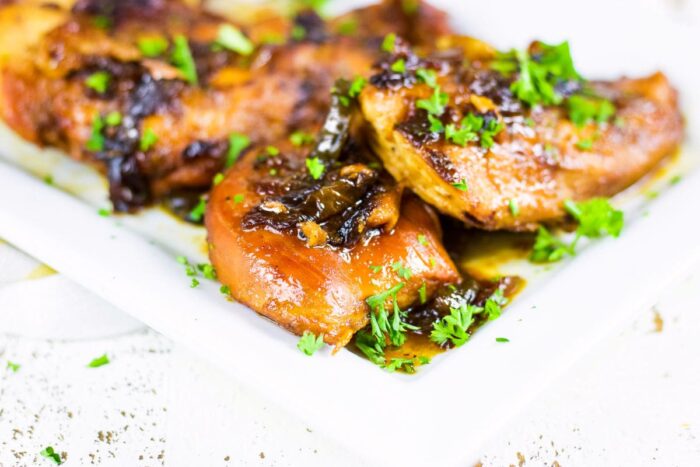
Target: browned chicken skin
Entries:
(538, 160)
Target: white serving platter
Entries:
(443, 414)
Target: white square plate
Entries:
(441, 415)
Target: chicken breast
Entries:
(471, 147)
(307, 254)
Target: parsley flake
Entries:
(230, 37)
(348, 27)
(98, 81)
(104, 212)
(382, 325)
(148, 139)
(97, 141)
(218, 178)
(399, 66)
(299, 138)
(238, 198)
(315, 167)
(207, 271)
(461, 185)
(13, 366)
(309, 343)
(423, 293)
(467, 131)
(502, 339)
(113, 118)
(237, 143)
(99, 361)
(455, 326)
(584, 109)
(514, 208)
(197, 213)
(435, 105)
(152, 47)
(182, 59)
(49, 453)
(427, 76)
(356, 87)
(401, 271)
(225, 290)
(422, 239)
(584, 144)
(389, 42)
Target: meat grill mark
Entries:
(442, 165)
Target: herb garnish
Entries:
(315, 167)
(502, 339)
(182, 59)
(435, 105)
(113, 118)
(399, 66)
(236, 144)
(401, 271)
(514, 208)
(428, 76)
(389, 42)
(230, 37)
(585, 109)
(97, 141)
(152, 47)
(461, 185)
(49, 453)
(98, 81)
(384, 326)
(13, 366)
(148, 139)
(596, 218)
(454, 327)
(299, 138)
(197, 213)
(309, 343)
(99, 361)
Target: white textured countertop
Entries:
(635, 400)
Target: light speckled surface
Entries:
(633, 401)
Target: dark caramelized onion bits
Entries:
(470, 292)
(336, 210)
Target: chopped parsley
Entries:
(467, 131)
(422, 239)
(148, 139)
(461, 185)
(348, 27)
(225, 290)
(152, 47)
(309, 343)
(494, 305)
(423, 293)
(407, 365)
(403, 272)
(98, 81)
(389, 42)
(435, 105)
(113, 118)
(399, 66)
(596, 218)
(230, 37)
(371, 347)
(315, 167)
(238, 198)
(298, 32)
(104, 212)
(96, 142)
(299, 138)
(375, 269)
(99, 361)
(539, 73)
(218, 178)
(272, 151)
(436, 125)
(190, 270)
(13, 366)
(585, 109)
(237, 143)
(356, 87)
(455, 326)
(584, 144)
(675, 179)
(502, 339)
(182, 59)
(49, 453)
(48, 179)
(514, 208)
(429, 77)
(197, 213)
(207, 271)
(382, 325)
(194, 284)
(493, 128)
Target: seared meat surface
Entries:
(467, 142)
(186, 95)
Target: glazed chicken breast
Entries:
(500, 141)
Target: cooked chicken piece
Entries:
(78, 67)
(307, 254)
(513, 165)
